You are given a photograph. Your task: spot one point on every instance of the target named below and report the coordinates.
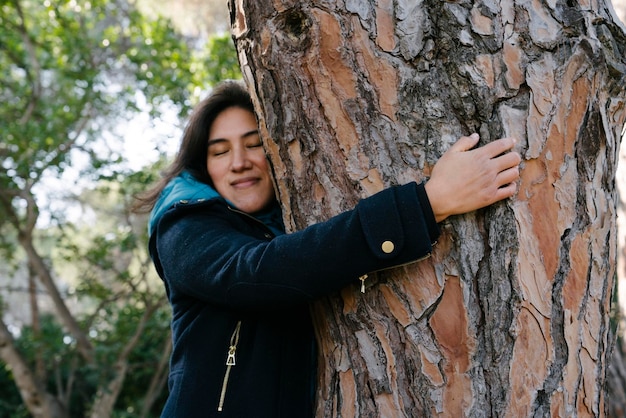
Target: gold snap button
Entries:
(387, 247)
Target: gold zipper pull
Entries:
(362, 279)
(230, 360)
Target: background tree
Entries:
(75, 77)
(510, 316)
(199, 19)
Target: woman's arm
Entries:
(208, 255)
(205, 251)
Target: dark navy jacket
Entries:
(231, 282)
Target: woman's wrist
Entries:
(429, 215)
(436, 207)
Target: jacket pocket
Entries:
(230, 362)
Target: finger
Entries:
(505, 192)
(465, 143)
(499, 146)
(508, 160)
(507, 176)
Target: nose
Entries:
(241, 160)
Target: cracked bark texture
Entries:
(509, 317)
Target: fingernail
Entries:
(475, 135)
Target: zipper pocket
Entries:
(230, 362)
(365, 276)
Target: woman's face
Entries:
(236, 161)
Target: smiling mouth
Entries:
(247, 182)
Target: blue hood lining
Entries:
(183, 187)
(186, 187)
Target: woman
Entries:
(239, 287)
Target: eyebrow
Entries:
(245, 135)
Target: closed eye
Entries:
(218, 148)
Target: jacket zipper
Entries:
(230, 362)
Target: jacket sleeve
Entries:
(204, 256)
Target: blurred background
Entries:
(93, 98)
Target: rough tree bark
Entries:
(510, 315)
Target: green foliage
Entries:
(11, 405)
(105, 268)
(221, 61)
(72, 71)
(144, 363)
(73, 74)
(54, 348)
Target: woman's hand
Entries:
(466, 179)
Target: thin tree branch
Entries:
(159, 378)
(33, 393)
(35, 74)
(84, 345)
(106, 397)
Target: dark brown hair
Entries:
(191, 156)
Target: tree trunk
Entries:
(39, 402)
(108, 393)
(159, 379)
(40, 366)
(37, 266)
(510, 316)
